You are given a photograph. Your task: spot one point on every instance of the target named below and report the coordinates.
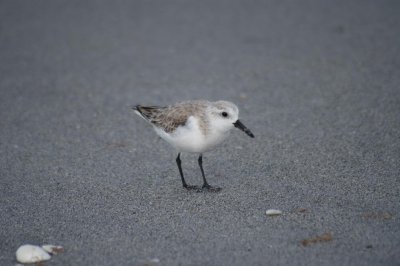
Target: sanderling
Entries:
(193, 126)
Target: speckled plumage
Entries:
(169, 118)
(191, 126)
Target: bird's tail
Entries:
(139, 112)
(147, 112)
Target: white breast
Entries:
(190, 138)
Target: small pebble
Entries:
(31, 254)
(301, 210)
(54, 250)
(273, 212)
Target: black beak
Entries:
(242, 127)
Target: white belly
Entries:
(190, 138)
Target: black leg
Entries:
(178, 162)
(205, 184)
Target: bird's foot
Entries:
(189, 187)
(208, 188)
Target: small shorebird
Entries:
(195, 127)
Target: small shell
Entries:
(54, 250)
(273, 212)
(31, 254)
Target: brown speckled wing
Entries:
(171, 117)
(166, 118)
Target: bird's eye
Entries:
(224, 114)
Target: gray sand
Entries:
(316, 81)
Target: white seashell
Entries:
(31, 254)
(54, 250)
(273, 212)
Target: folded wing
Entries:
(166, 118)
